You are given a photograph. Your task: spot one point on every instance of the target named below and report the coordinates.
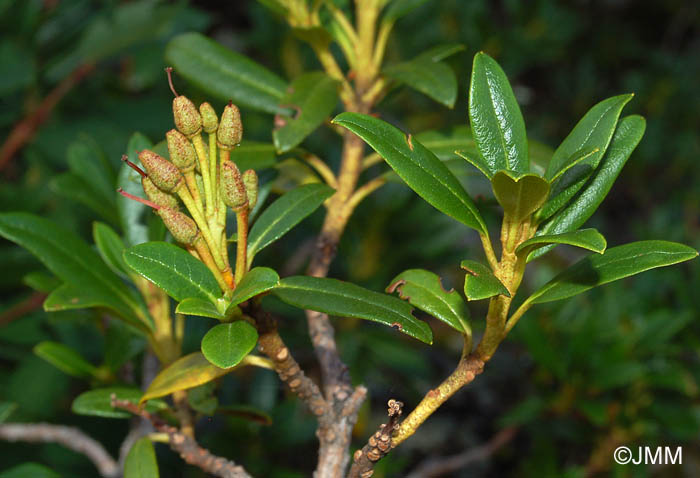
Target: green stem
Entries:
(205, 169)
(241, 242)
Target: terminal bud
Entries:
(209, 119)
(230, 130)
(234, 191)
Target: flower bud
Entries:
(250, 181)
(209, 119)
(162, 172)
(182, 227)
(187, 118)
(233, 189)
(230, 130)
(158, 197)
(182, 153)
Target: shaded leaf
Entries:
(589, 239)
(141, 460)
(480, 282)
(111, 248)
(225, 345)
(6, 409)
(131, 213)
(521, 196)
(29, 470)
(98, 402)
(254, 282)
(432, 78)
(247, 413)
(65, 358)
(399, 8)
(77, 189)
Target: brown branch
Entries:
(186, 446)
(69, 437)
(23, 131)
(445, 466)
(378, 446)
(22, 308)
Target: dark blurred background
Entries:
(615, 366)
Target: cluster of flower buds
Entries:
(202, 176)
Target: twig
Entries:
(445, 466)
(377, 446)
(186, 446)
(18, 310)
(71, 438)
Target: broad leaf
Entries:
(225, 345)
(480, 283)
(98, 402)
(343, 299)
(423, 289)
(495, 118)
(66, 359)
(285, 213)
(626, 138)
(617, 263)
(417, 166)
(223, 73)
(254, 282)
(186, 372)
(76, 263)
(312, 97)
(29, 470)
(201, 307)
(431, 77)
(141, 460)
(593, 131)
(589, 239)
(174, 270)
(521, 196)
(111, 248)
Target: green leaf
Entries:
(186, 372)
(29, 470)
(254, 282)
(72, 260)
(521, 196)
(225, 345)
(41, 281)
(111, 248)
(575, 159)
(480, 283)
(444, 145)
(71, 297)
(313, 97)
(254, 155)
(589, 239)
(594, 130)
(496, 121)
(6, 409)
(131, 213)
(617, 263)
(432, 78)
(285, 213)
(440, 52)
(627, 136)
(223, 73)
(343, 299)
(201, 308)
(87, 161)
(417, 166)
(399, 8)
(423, 289)
(174, 270)
(475, 159)
(98, 402)
(77, 189)
(66, 359)
(141, 460)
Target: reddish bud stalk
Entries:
(125, 158)
(169, 72)
(148, 203)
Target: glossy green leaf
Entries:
(627, 136)
(65, 358)
(475, 159)
(6, 409)
(285, 213)
(480, 283)
(432, 78)
(617, 263)
(417, 166)
(344, 299)
(29, 470)
(521, 196)
(575, 159)
(76, 263)
(174, 270)
(132, 213)
(223, 73)
(98, 402)
(201, 308)
(589, 239)
(495, 118)
(423, 289)
(141, 460)
(225, 345)
(41, 281)
(111, 248)
(255, 282)
(594, 130)
(312, 97)
(186, 372)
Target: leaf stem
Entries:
(322, 169)
(206, 173)
(242, 242)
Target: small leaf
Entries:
(174, 270)
(66, 359)
(141, 460)
(225, 345)
(589, 239)
(343, 299)
(285, 213)
(254, 282)
(199, 307)
(495, 118)
(186, 372)
(111, 248)
(98, 402)
(417, 166)
(29, 470)
(521, 196)
(223, 73)
(423, 289)
(480, 283)
(617, 263)
(246, 412)
(6, 409)
(440, 52)
(432, 78)
(313, 97)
